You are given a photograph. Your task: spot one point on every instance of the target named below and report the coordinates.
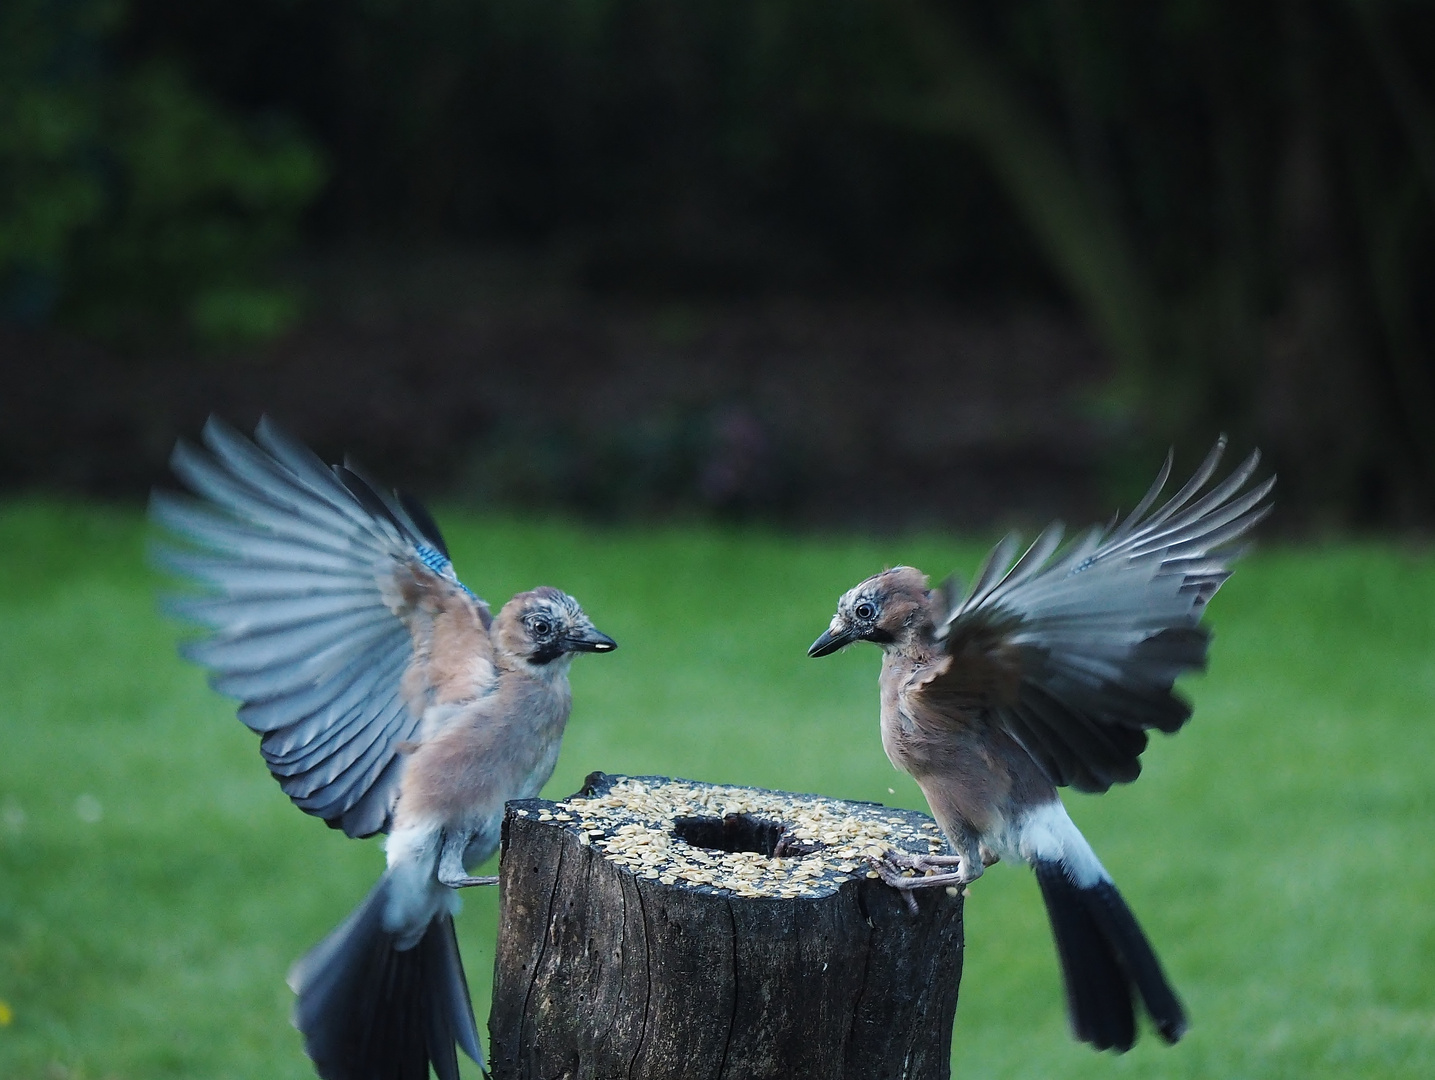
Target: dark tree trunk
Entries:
(654, 929)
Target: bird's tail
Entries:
(369, 1010)
(1104, 955)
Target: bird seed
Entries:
(632, 824)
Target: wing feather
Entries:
(308, 738)
(1101, 631)
(993, 569)
(370, 813)
(319, 765)
(241, 616)
(252, 579)
(272, 646)
(221, 535)
(316, 594)
(1118, 532)
(278, 510)
(263, 683)
(360, 670)
(307, 468)
(348, 787)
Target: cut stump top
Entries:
(735, 841)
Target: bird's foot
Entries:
(910, 860)
(894, 877)
(465, 881)
(906, 872)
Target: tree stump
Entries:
(652, 929)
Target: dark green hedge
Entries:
(1238, 197)
(127, 196)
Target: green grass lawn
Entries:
(155, 884)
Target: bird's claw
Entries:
(889, 870)
(892, 875)
(466, 881)
(910, 860)
(891, 864)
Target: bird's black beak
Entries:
(830, 642)
(590, 640)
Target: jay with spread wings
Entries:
(1048, 672)
(389, 699)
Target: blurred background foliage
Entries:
(1233, 204)
(130, 201)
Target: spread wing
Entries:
(332, 613)
(1076, 653)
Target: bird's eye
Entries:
(541, 627)
(864, 611)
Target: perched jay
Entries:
(1049, 672)
(389, 699)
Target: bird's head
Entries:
(887, 609)
(545, 627)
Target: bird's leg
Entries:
(451, 871)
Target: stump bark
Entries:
(652, 929)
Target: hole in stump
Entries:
(741, 832)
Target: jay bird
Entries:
(390, 699)
(1048, 672)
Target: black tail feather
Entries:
(1105, 959)
(369, 1011)
(1098, 991)
(1119, 925)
